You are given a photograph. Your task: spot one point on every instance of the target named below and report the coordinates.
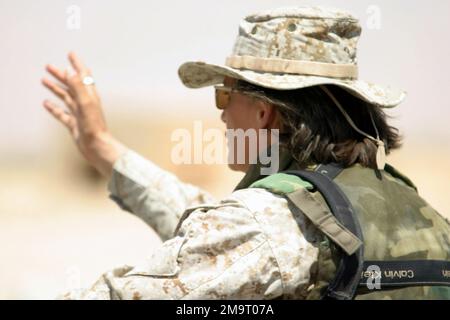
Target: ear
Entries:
(265, 115)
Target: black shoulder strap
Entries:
(348, 274)
(405, 273)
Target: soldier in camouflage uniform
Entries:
(276, 236)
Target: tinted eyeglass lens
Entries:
(222, 98)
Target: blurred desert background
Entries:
(58, 229)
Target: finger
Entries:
(77, 64)
(62, 116)
(60, 92)
(84, 96)
(57, 73)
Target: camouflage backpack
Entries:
(381, 240)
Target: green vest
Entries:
(397, 225)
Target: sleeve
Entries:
(219, 252)
(156, 196)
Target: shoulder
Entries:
(254, 206)
(231, 214)
(257, 219)
(242, 204)
(400, 176)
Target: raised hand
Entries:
(83, 115)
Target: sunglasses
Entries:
(223, 95)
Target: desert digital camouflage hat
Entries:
(291, 48)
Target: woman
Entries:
(286, 235)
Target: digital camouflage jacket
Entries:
(254, 244)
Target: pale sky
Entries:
(134, 48)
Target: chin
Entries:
(238, 167)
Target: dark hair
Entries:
(315, 131)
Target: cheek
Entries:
(240, 116)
